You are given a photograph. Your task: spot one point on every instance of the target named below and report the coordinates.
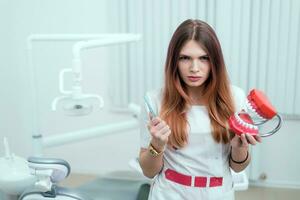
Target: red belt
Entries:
(199, 181)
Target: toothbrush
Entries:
(148, 105)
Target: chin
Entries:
(194, 85)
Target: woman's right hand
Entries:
(160, 132)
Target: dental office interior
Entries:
(74, 74)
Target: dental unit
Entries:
(15, 174)
(41, 175)
(75, 102)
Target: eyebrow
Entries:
(190, 56)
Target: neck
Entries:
(196, 95)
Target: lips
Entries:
(194, 78)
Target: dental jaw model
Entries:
(259, 111)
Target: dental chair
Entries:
(49, 172)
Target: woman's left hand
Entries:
(244, 140)
(239, 154)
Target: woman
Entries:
(188, 147)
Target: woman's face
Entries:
(194, 64)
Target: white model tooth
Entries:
(236, 115)
(251, 109)
(263, 118)
(244, 123)
(256, 114)
(240, 120)
(250, 106)
(252, 126)
(253, 112)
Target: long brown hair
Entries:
(216, 89)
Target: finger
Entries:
(160, 125)
(149, 126)
(258, 138)
(156, 131)
(251, 139)
(150, 116)
(163, 131)
(166, 135)
(152, 131)
(155, 121)
(236, 140)
(244, 139)
(236, 137)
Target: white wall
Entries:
(12, 113)
(277, 157)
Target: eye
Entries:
(204, 58)
(185, 58)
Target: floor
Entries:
(261, 193)
(256, 193)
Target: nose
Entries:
(195, 66)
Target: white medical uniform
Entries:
(202, 156)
